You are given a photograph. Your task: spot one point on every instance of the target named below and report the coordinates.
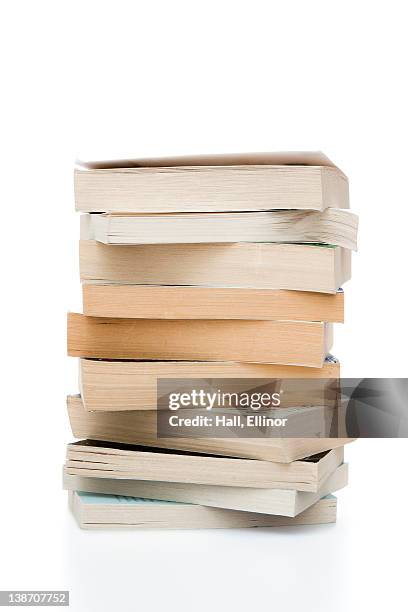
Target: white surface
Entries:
(104, 80)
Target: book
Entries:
(282, 502)
(104, 459)
(243, 182)
(331, 226)
(140, 428)
(153, 302)
(304, 343)
(101, 511)
(300, 267)
(132, 385)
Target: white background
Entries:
(123, 79)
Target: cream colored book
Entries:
(282, 502)
(140, 427)
(300, 267)
(107, 385)
(211, 183)
(153, 302)
(101, 511)
(301, 343)
(104, 459)
(332, 226)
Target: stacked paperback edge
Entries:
(212, 267)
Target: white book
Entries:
(332, 226)
(100, 511)
(300, 267)
(211, 183)
(139, 427)
(109, 386)
(103, 459)
(282, 502)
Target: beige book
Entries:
(104, 459)
(331, 226)
(302, 343)
(240, 182)
(132, 385)
(283, 502)
(140, 427)
(300, 267)
(153, 302)
(99, 511)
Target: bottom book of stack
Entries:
(103, 511)
(118, 485)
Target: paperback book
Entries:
(102, 511)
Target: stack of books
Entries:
(204, 268)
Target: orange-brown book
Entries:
(155, 302)
(303, 343)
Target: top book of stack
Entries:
(213, 183)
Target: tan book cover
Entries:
(287, 342)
